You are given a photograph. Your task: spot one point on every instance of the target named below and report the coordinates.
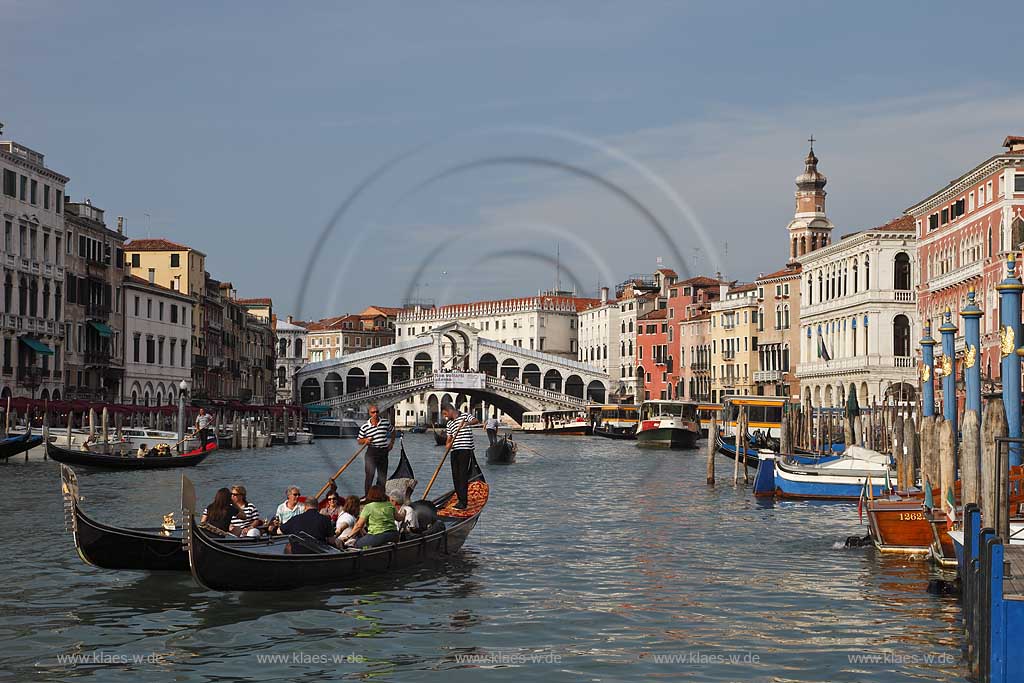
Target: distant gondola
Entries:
(129, 461)
(270, 566)
(503, 452)
(13, 445)
(621, 434)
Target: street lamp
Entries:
(182, 390)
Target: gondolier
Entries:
(460, 443)
(378, 435)
(492, 430)
(203, 422)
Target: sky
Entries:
(336, 155)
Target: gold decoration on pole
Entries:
(970, 356)
(1006, 341)
(926, 372)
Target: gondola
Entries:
(109, 547)
(270, 566)
(130, 461)
(503, 451)
(13, 445)
(440, 438)
(621, 434)
(727, 447)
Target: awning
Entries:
(104, 330)
(319, 409)
(36, 345)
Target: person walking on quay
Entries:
(378, 435)
(460, 443)
(203, 422)
(492, 430)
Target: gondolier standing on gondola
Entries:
(460, 443)
(203, 422)
(378, 435)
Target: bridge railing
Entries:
(371, 393)
(526, 389)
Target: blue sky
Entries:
(484, 136)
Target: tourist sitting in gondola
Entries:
(142, 452)
(290, 507)
(246, 521)
(333, 507)
(219, 513)
(378, 519)
(310, 522)
(344, 528)
(89, 442)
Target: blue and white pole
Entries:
(1009, 336)
(928, 385)
(971, 314)
(948, 331)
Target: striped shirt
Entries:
(379, 436)
(464, 441)
(246, 516)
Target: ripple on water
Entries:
(594, 560)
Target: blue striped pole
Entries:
(948, 331)
(971, 314)
(1009, 337)
(928, 358)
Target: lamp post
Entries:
(182, 390)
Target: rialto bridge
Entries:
(454, 359)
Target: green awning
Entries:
(36, 345)
(104, 330)
(319, 409)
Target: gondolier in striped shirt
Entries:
(378, 436)
(460, 442)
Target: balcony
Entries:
(956, 276)
(905, 296)
(97, 357)
(31, 376)
(768, 376)
(904, 361)
(97, 311)
(728, 355)
(199, 361)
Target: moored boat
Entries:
(565, 422)
(763, 418)
(13, 445)
(899, 525)
(668, 424)
(750, 454)
(842, 478)
(615, 421)
(128, 461)
(706, 412)
(334, 428)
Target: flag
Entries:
(822, 351)
(929, 502)
(860, 501)
(951, 513)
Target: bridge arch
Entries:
(574, 386)
(310, 390)
(553, 380)
(596, 392)
(355, 381)
(488, 365)
(422, 364)
(334, 385)
(378, 375)
(531, 374)
(400, 370)
(510, 369)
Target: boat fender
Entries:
(857, 541)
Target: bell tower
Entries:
(810, 228)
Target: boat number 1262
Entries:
(909, 516)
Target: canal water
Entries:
(594, 560)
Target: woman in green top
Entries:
(378, 518)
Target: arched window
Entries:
(803, 245)
(901, 336)
(1017, 233)
(46, 299)
(282, 347)
(56, 303)
(785, 317)
(810, 290)
(867, 273)
(8, 292)
(33, 296)
(630, 328)
(298, 347)
(901, 273)
(22, 296)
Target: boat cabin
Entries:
(681, 409)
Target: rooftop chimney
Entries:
(1014, 143)
(289, 319)
(604, 295)
(152, 276)
(120, 224)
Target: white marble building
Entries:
(157, 332)
(291, 342)
(858, 317)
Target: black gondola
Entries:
(13, 445)
(503, 451)
(129, 461)
(727, 447)
(269, 566)
(622, 434)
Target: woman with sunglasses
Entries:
(332, 508)
(246, 522)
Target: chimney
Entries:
(604, 295)
(120, 225)
(289, 319)
(152, 276)
(1014, 143)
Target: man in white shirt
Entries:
(491, 426)
(203, 422)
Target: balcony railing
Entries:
(904, 361)
(97, 311)
(905, 296)
(728, 355)
(768, 376)
(97, 357)
(199, 361)
(30, 376)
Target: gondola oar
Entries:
(445, 456)
(338, 473)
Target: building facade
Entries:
(93, 311)
(345, 334)
(157, 336)
(695, 355)
(965, 230)
(34, 254)
(734, 322)
(258, 350)
(181, 269)
(599, 335)
(291, 349)
(778, 333)
(858, 323)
